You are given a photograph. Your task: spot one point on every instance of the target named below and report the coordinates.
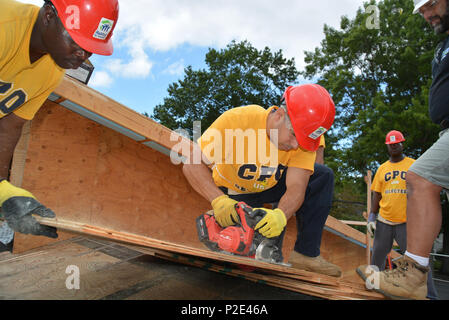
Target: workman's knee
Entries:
(323, 171)
(416, 182)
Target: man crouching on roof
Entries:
(243, 171)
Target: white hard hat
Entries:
(419, 4)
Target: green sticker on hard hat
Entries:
(317, 133)
(104, 27)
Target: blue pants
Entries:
(311, 216)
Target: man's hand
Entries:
(371, 225)
(272, 224)
(18, 205)
(224, 211)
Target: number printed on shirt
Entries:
(13, 99)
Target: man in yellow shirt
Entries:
(36, 45)
(389, 201)
(261, 156)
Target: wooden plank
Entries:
(352, 233)
(354, 223)
(345, 230)
(338, 290)
(368, 211)
(300, 282)
(164, 245)
(109, 109)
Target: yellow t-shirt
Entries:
(390, 182)
(23, 86)
(243, 157)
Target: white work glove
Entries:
(371, 225)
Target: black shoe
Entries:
(6, 247)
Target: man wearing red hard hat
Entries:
(36, 45)
(235, 167)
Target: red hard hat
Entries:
(393, 137)
(90, 23)
(311, 111)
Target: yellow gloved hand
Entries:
(18, 206)
(224, 211)
(272, 224)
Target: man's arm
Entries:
(274, 221)
(200, 177)
(376, 200)
(372, 216)
(320, 155)
(18, 204)
(10, 132)
(296, 182)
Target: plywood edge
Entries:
(169, 246)
(340, 227)
(347, 231)
(103, 106)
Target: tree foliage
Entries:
(379, 78)
(235, 76)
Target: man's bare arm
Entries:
(200, 177)
(297, 180)
(10, 132)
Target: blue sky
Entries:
(143, 93)
(156, 39)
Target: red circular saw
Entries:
(241, 238)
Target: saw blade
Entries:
(268, 252)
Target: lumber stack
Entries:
(288, 278)
(300, 281)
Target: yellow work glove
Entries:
(18, 205)
(224, 211)
(272, 224)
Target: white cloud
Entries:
(175, 69)
(138, 67)
(293, 26)
(159, 25)
(101, 79)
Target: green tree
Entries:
(378, 75)
(235, 76)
